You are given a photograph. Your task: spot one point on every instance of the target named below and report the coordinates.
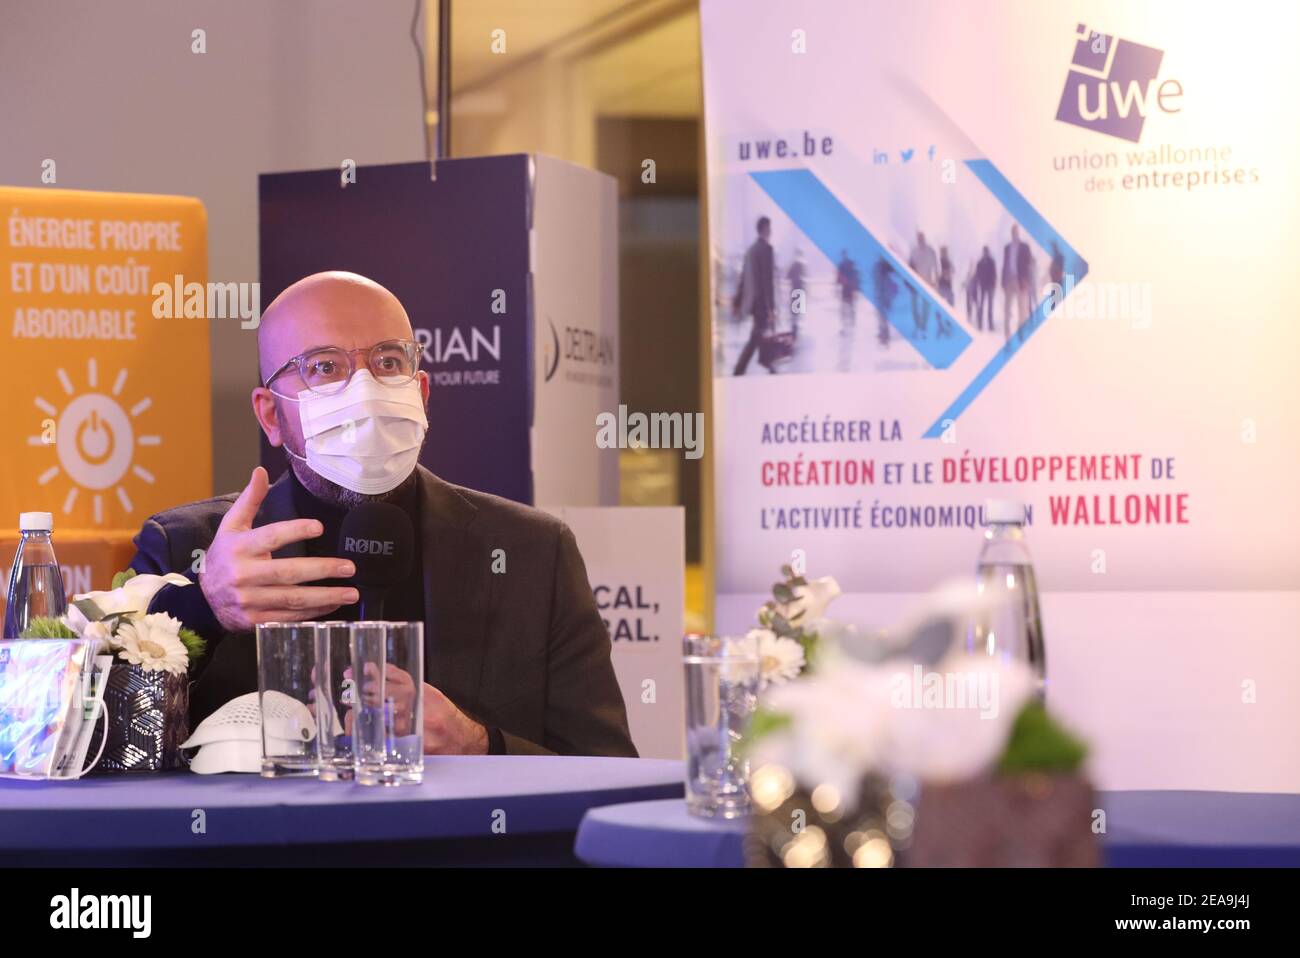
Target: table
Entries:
(1217, 829)
(507, 809)
(1143, 829)
(658, 834)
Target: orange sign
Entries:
(105, 389)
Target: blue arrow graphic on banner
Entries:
(1042, 233)
(832, 229)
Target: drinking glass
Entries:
(335, 697)
(722, 678)
(286, 661)
(387, 720)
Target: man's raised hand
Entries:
(245, 586)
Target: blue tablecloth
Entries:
(1143, 829)
(1216, 829)
(658, 834)
(119, 818)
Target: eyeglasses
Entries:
(327, 370)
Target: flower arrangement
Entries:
(787, 635)
(959, 718)
(862, 687)
(886, 716)
(120, 619)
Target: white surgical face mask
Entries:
(367, 436)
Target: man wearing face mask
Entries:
(516, 662)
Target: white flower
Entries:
(739, 656)
(840, 723)
(134, 595)
(952, 721)
(77, 622)
(780, 659)
(850, 639)
(908, 701)
(939, 723)
(811, 600)
(153, 643)
(97, 630)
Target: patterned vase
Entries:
(148, 718)
(1008, 821)
(1030, 820)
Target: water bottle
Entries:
(35, 582)
(1011, 627)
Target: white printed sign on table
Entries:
(635, 561)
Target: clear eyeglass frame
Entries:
(327, 370)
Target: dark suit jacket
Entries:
(524, 650)
(758, 282)
(1017, 259)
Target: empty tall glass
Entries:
(286, 661)
(387, 722)
(722, 674)
(335, 697)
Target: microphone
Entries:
(379, 539)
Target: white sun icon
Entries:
(95, 441)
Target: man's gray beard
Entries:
(334, 494)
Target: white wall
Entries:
(112, 93)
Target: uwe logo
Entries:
(1111, 86)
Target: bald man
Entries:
(514, 663)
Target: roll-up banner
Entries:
(104, 342)
(1035, 251)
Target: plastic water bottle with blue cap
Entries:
(35, 582)
(1011, 626)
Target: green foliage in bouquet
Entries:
(1039, 744)
(763, 722)
(45, 627)
(772, 615)
(194, 643)
(122, 578)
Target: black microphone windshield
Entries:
(380, 541)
